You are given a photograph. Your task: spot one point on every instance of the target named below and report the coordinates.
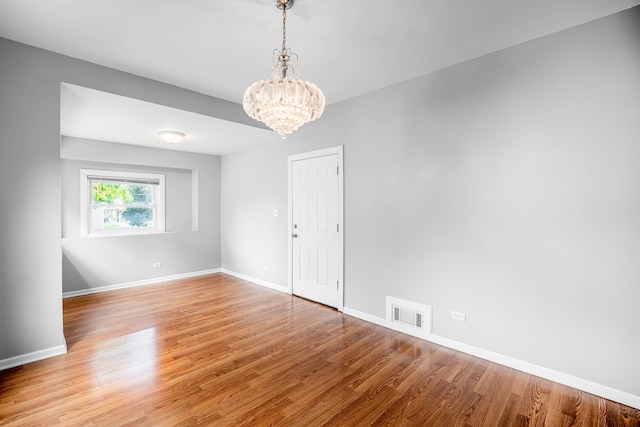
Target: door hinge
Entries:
(338, 228)
(337, 170)
(337, 284)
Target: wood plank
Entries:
(216, 350)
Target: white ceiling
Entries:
(92, 114)
(219, 48)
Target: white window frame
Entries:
(85, 201)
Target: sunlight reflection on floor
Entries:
(128, 359)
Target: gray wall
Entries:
(504, 187)
(191, 243)
(30, 216)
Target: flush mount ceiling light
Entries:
(284, 102)
(171, 136)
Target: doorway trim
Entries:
(338, 150)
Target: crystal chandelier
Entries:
(284, 102)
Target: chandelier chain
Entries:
(284, 28)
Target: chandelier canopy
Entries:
(284, 102)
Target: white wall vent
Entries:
(408, 316)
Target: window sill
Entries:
(132, 233)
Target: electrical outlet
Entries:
(266, 268)
(157, 264)
(458, 315)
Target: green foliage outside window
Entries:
(124, 194)
(121, 193)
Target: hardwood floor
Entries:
(216, 350)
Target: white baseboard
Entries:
(138, 283)
(520, 365)
(23, 359)
(256, 281)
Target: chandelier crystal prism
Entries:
(284, 102)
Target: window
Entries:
(115, 202)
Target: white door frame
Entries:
(310, 155)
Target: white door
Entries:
(315, 233)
